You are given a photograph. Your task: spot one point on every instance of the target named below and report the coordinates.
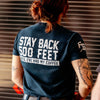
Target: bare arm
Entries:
(17, 71)
(96, 89)
(82, 69)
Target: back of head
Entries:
(48, 11)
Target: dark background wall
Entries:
(83, 17)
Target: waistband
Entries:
(27, 97)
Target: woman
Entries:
(46, 56)
(95, 95)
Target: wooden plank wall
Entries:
(83, 17)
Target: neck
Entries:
(58, 22)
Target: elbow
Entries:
(90, 86)
(14, 79)
(84, 89)
(87, 87)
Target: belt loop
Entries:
(25, 97)
(38, 98)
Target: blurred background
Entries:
(83, 17)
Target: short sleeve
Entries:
(77, 47)
(98, 69)
(15, 49)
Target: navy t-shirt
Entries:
(46, 59)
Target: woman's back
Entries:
(45, 59)
(44, 53)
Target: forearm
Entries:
(17, 76)
(84, 74)
(17, 71)
(85, 83)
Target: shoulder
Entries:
(77, 40)
(64, 30)
(67, 33)
(31, 27)
(27, 29)
(76, 36)
(72, 34)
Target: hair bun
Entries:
(36, 9)
(48, 11)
